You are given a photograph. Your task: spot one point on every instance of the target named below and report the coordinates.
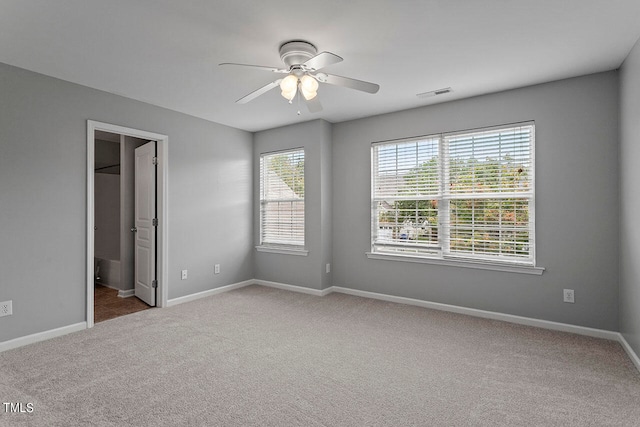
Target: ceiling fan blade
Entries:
(347, 82)
(314, 105)
(256, 93)
(260, 67)
(321, 60)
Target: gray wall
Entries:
(630, 199)
(576, 200)
(43, 197)
(307, 271)
(107, 216)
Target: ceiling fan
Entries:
(303, 75)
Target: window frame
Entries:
(441, 253)
(284, 247)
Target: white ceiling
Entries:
(166, 52)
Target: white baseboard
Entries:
(41, 336)
(293, 288)
(632, 354)
(204, 294)
(528, 321)
(126, 294)
(106, 285)
(545, 324)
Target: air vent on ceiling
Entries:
(434, 92)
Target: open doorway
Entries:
(114, 226)
(127, 220)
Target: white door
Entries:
(145, 230)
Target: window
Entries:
(282, 199)
(463, 195)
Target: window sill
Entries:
(511, 268)
(282, 251)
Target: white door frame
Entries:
(162, 256)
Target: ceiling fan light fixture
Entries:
(308, 95)
(288, 95)
(289, 86)
(308, 87)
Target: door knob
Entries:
(134, 229)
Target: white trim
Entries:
(293, 288)
(122, 294)
(162, 200)
(90, 249)
(126, 294)
(41, 336)
(283, 251)
(163, 214)
(632, 354)
(208, 293)
(528, 321)
(108, 286)
(523, 269)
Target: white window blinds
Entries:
(282, 199)
(407, 185)
(457, 195)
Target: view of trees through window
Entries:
(290, 169)
(476, 202)
(282, 198)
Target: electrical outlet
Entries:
(328, 269)
(184, 275)
(569, 296)
(6, 308)
(216, 269)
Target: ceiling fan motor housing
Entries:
(296, 52)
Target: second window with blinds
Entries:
(458, 196)
(282, 200)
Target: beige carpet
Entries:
(266, 357)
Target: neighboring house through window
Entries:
(282, 199)
(463, 195)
